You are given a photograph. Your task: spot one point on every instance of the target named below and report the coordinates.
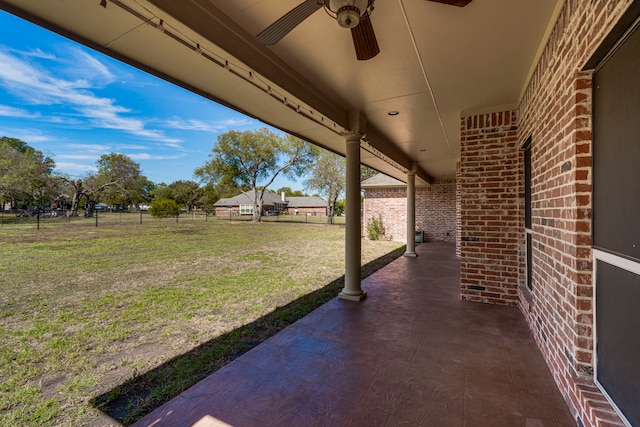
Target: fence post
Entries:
(38, 220)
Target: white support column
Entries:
(353, 228)
(411, 214)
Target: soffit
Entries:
(472, 58)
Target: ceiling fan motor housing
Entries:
(348, 12)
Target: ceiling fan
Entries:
(351, 14)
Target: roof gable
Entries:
(381, 180)
(306, 202)
(246, 198)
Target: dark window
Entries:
(618, 346)
(527, 184)
(527, 210)
(616, 152)
(616, 228)
(529, 262)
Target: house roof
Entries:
(381, 180)
(246, 198)
(306, 202)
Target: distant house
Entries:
(243, 204)
(272, 204)
(306, 205)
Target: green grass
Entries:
(124, 317)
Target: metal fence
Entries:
(50, 219)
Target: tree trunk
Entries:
(88, 209)
(76, 198)
(257, 207)
(332, 210)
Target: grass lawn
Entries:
(120, 318)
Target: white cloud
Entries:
(76, 156)
(18, 113)
(29, 136)
(86, 65)
(199, 125)
(92, 148)
(122, 147)
(75, 167)
(38, 53)
(37, 85)
(147, 156)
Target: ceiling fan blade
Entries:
(274, 32)
(459, 3)
(364, 40)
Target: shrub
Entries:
(164, 208)
(375, 228)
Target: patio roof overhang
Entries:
(437, 62)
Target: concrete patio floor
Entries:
(411, 354)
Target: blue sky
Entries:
(76, 104)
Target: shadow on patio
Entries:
(411, 354)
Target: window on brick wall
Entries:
(616, 229)
(246, 209)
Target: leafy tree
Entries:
(340, 206)
(255, 159)
(164, 208)
(327, 175)
(125, 175)
(26, 174)
(289, 192)
(366, 172)
(117, 182)
(162, 191)
(186, 193)
(208, 197)
(147, 192)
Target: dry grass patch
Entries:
(126, 317)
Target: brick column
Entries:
(489, 208)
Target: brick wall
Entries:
(435, 210)
(489, 216)
(556, 112)
(390, 203)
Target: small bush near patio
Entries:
(121, 318)
(375, 228)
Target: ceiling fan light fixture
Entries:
(348, 17)
(348, 13)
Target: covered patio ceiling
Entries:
(436, 63)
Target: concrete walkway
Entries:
(411, 354)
